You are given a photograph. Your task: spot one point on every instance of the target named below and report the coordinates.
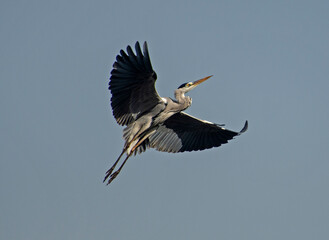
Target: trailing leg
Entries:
(116, 173)
(109, 172)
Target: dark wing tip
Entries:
(245, 128)
(145, 46)
(147, 60)
(137, 45)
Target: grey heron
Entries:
(152, 121)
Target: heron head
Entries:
(190, 85)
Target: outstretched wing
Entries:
(182, 132)
(132, 85)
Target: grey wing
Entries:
(132, 85)
(182, 132)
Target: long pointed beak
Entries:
(196, 83)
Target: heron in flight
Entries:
(152, 121)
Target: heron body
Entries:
(152, 121)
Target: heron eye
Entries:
(188, 84)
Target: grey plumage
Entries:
(152, 121)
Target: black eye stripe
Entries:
(183, 85)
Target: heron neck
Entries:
(180, 96)
(183, 101)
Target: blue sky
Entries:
(58, 136)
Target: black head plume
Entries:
(181, 86)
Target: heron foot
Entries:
(113, 176)
(108, 173)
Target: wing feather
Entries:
(182, 132)
(132, 84)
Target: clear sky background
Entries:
(270, 61)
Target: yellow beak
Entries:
(201, 80)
